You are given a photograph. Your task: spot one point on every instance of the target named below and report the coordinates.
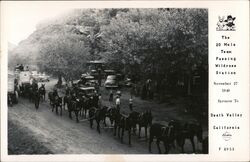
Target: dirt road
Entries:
(60, 135)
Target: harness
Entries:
(166, 130)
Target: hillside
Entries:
(141, 43)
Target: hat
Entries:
(229, 17)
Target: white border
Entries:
(215, 8)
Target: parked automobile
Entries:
(43, 78)
(87, 80)
(128, 82)
(109, 72)
(97, 73)
(87, 91)
(91, 82)
(111, 82)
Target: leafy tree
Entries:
(164, 44)
(159, 43)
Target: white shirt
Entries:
(118, 101)
(130, 100)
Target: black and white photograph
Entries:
(108, 81)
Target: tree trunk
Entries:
(189, 85)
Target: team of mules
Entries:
(34, 93)
(172, 135)
(177, 132)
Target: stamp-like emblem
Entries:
(226, 136)
(226, 24)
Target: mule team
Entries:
(33, 93)
(80, 104)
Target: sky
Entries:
(21, 19)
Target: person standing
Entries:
(118, 103)
(111, 96)
(131, 103)
(100, 101)
(95, 99)
(34, 85)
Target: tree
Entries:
(159, 43)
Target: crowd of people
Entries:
(118, 100)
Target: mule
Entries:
(145, 120)
(51, 98)
(134, 115)
(74, 106)
(188, 130)
(25, 90)
(36, 98)
(30, 94)
(126, 123)
(161, 133)
(111, 112)
(55, 101)
(57, 105)
(84, 106)
(122, 123)
(98, 115)
(205, 145)
(115, 116)
(42, 92)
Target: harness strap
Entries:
(163, 129)
(169, 130)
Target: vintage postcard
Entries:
(125, 81)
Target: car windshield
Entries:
(111, 77)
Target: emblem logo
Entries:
(226, 24)
(226, 136)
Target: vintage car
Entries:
(128, 82)
(87, 91)
(109, 72)
(111, 82)
(91, 81)
(88, 80)
(43, 78)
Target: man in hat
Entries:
(118, 102)
(95, 99)
(100, 101)
(34, 85)
(131, 103)
(230, 22)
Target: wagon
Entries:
(24, 82)
(12, 92)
